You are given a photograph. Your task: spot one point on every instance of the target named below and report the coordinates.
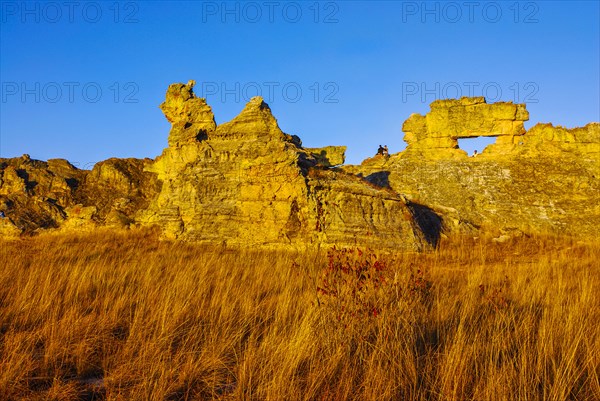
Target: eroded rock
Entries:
(539, 181)
(190, 117)
(247, 183)
(436, 134)
(328, 156)
(37, 195)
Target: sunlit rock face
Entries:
(539, 181)
(435, 135)
(242, 183)
(246, 183)
(190, 117)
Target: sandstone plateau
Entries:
(247, 183)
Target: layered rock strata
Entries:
(247, 183)
(545, 180)
(242, 183)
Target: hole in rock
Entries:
(202, 135)
(478, 144)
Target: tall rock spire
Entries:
(191, 117)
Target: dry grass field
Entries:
(108, 316)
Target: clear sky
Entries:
(83, 80)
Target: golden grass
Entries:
(109, 316)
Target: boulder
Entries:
(328, 156)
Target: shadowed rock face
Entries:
(36, 195)
(247, 183)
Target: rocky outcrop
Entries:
(36, 195)
(118, 188)
(190, 117)
(328, 156)
(242, 183)
(543, 180)
(436, 134)
(33, 193)
(247, 183)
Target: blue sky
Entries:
(83, 80)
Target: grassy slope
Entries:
(128, 317)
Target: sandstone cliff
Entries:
(247, 183)
(242, 183)
(542, 180)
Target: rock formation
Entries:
(543, 180)
(436, 134)
(36, 195)
(247, 183)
